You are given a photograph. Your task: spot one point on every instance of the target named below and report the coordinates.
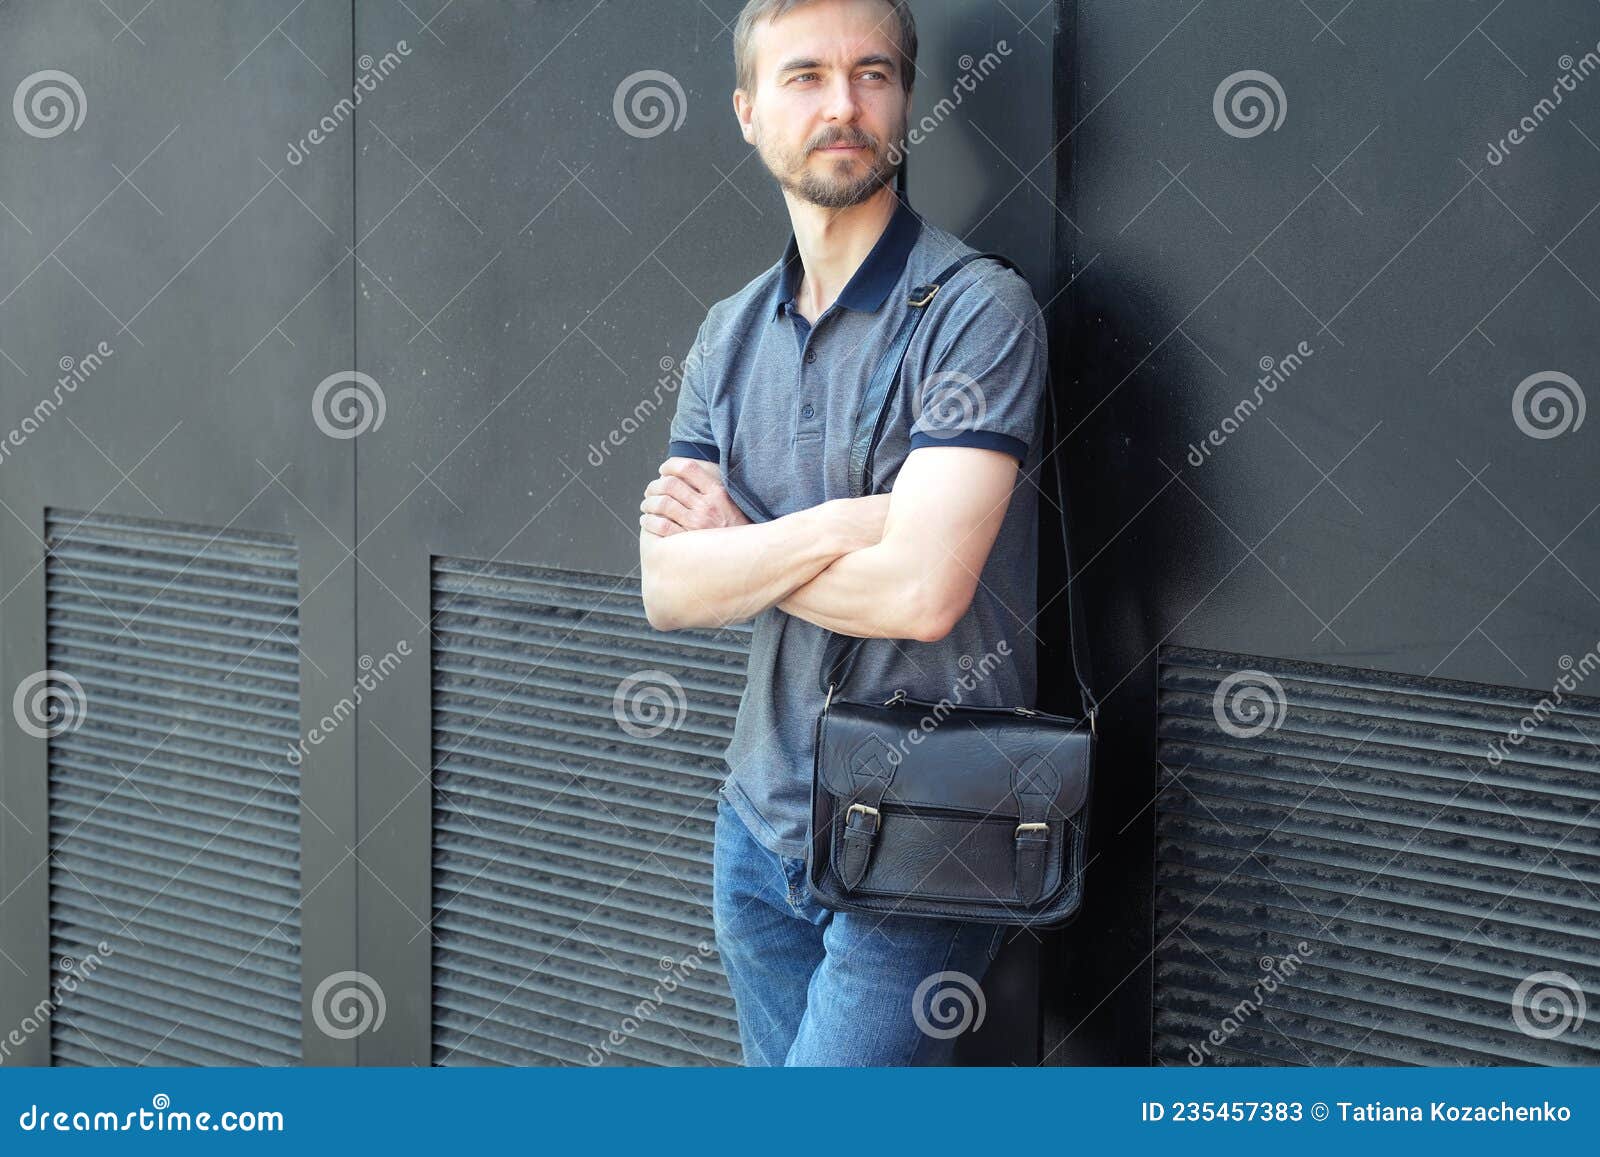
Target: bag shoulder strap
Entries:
(877, 404)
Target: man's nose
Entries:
(842, 105)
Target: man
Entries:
(938, 575)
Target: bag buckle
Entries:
(1033, 827)
(864, 809)
(923, 300)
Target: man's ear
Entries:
(743, 108)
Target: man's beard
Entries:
(827, 189)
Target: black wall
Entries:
(1379, 532)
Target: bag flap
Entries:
(967, 760)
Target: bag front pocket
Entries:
(946, 854)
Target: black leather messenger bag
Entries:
(948, 810)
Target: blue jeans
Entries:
(816, 987)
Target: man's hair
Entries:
(757, 11)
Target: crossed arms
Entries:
(902, 565)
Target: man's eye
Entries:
(805, 75)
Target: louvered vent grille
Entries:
(1366, 820)
(174, 814)
(572, 857)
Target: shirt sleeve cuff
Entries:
(983, 439)
(704, 451)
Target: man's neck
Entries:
(833, 243)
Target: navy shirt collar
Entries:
(877, 275)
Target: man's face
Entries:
(829, 109)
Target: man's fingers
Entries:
(655, 524)
(674, 487)
(667, 507)
(701, 476)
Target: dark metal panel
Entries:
(1387, 501)
(174, 835)
(169, 226)
(531, 272)
(576, 753)
(1344, 877)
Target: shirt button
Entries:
(811, 356)
(806, 411)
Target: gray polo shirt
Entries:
(771, 399)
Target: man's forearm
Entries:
(870, 593)
(710, 578)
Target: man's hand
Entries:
(688, 495)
